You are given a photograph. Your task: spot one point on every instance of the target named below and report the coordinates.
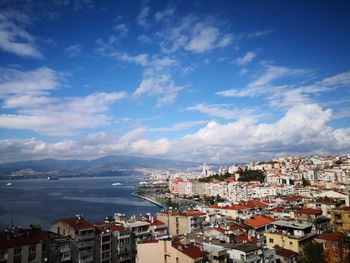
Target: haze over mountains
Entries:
(105, 166)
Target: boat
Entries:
(116, 183)
(52, 178)
(9, 184)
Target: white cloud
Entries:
(14, 37)
(144, 13)
(160, 15)
(257, 34)
(303, 129)
(246, 59)
(38, 81)
(161, 86)
(74, 50)
(27, 95)
(264, 83)
(220, 110)
(178, 126)
(122, 29)
(195, 36)
(144, 39)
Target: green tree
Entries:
(313, 253)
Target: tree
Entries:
(313, 253)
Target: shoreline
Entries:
(149, 200)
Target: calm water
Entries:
(42, 201)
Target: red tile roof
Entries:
(286, 253)
(192, 213)
(190, 250)
(156, 222)
(259, 221)
(255, 204)
(344, 208)
(21, 238)
(334, 236)
(309, 211)
(230, 207)
(245, 238)
(77, 223)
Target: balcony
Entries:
(86, 259)
(64, 249)
(86, 244)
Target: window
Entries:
(177, 260)
(271, 240)
(291, 243)
(18, 251)
(32, 249)
(58, 230)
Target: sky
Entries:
(205, 81)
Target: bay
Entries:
(41, 201)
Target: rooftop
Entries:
(21, 237)
(259, 221)
(77, 223)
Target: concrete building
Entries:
(23, 245)
(291, 235)
(118, 239)
(165, 251)
(182, 222)
(340, 219)
(59, 248)
(335, 246)
(82, 234)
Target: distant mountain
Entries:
(108, 165)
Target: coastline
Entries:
(149, 200)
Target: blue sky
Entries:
(207, 81)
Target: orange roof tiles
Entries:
(77, 223)
(230, 207)
(21, 238)
(259, 221)
(190, 250)
(334, 236)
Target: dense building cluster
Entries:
(301, 206)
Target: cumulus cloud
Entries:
(160, 15)
(14, 37)
(144, 14)
(304, 129)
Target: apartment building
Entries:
(340, 219)
(166, 251)
(23, 245)
(291, 235)
(82, 234)
(182, 222)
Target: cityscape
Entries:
(172, 131)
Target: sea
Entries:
(42, 201)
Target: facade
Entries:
(335, 246)
(340, 219)
(182, 222)
(114, 243)
(165, 251)
(290, 235)
(82, 234)
(23, 245)
(251, 254)
(59, 248)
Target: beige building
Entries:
(82, 234)
(290, 235)
(182, 222)
(165, 251)
(340, 219)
